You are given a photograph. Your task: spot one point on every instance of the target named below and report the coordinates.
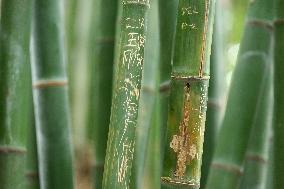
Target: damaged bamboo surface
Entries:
(188, 98)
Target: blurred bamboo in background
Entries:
(278, 173)
(50, 96)
(15, 93)
(254, 61)
(101, 58)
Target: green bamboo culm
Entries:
(146, 110)
(188, 98)
(167, 20)
(124, 113)
(50, 96)
(216, 92)
(251, 72)
(101, 57)
(278, 95)
(256, 160)
(15, 93)
(32, 176)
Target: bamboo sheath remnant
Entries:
(124, 113)
(188, 98)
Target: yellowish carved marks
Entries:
(141, 2)
(186, 151)
(188, 11)
(123, 162)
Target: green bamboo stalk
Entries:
(250, 73)
(121, 140)
(255, 167)
(269, 173)
(101, 56)
(215, 93)
(50, 97)
(167, 17)
(188, 98)
(71, 15)
(32, 176)
(147, 102)
(278, 95)
(15, 93)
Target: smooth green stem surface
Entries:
(31, 174)
(279, 95)
(15, 93)
(251, 71)
(124, 112)
(101, 58)
(216, 92)
(167, 20)
(50, 96)
(147, 104)
(188, 98)
(257, 154)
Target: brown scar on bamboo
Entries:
(181, 143)
(204, 37)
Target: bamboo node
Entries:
(261, 23)
(49, 83)
(235, 169)
(12, 150)
(180, 182)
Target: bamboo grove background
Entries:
(141, 94)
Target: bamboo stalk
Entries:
(101, 56)
(71, 15)
(255, 167)
(15, 83)
(121, 140)
(250, 73)
(167, 16)
(188, 98)
(147, 107)
(50, 97)
(278, 95)
(32, 175)
(216, 92)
